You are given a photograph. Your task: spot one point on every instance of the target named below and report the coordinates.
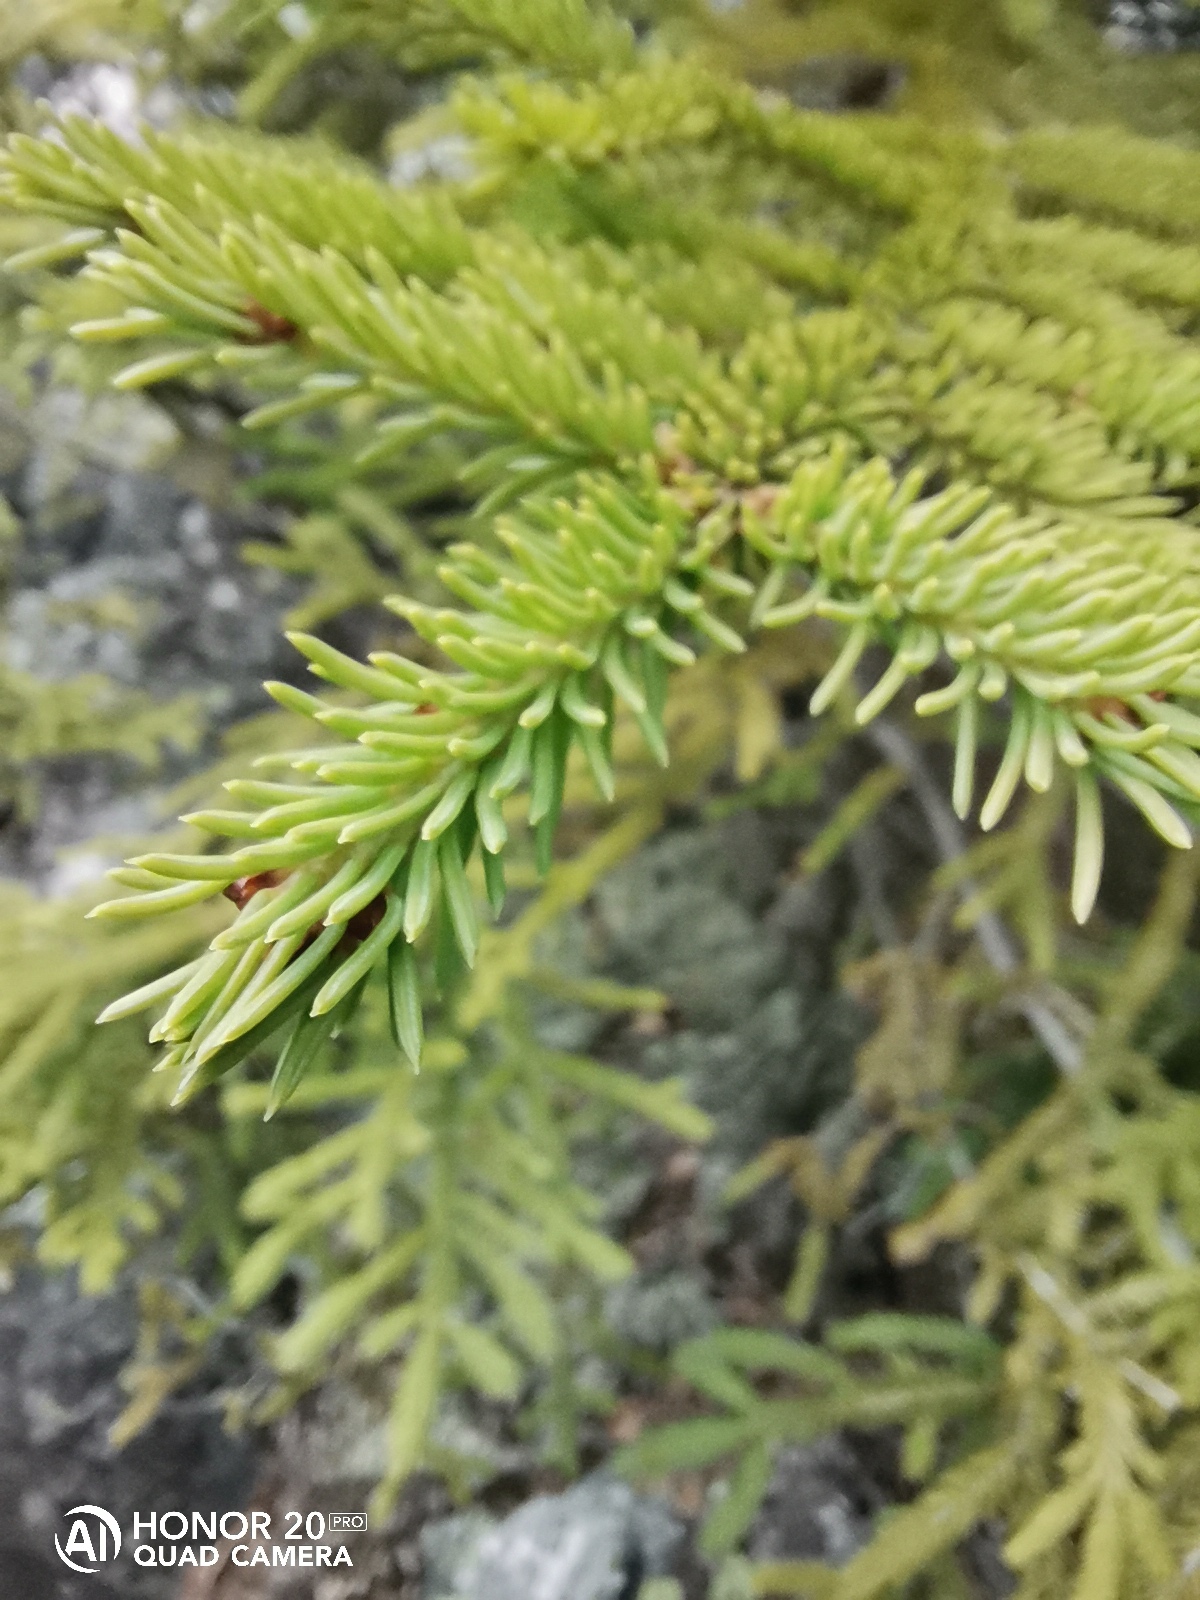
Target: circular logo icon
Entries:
(93, 1538)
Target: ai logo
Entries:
(94, 1537)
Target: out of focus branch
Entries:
(1064, 1043)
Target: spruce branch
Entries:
(1062, 1043)
(925, 1370)
(193, 185)
(593, 603)
(1086, 636)
(1113, 175)
(679, 104)
(567, 37)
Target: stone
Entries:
(819, 1506)
(61, 1355)
(597, 1541)
(660, 1312)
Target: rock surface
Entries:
(121, 570)
(1160, 26)
(61, 1356)
(597, 1541)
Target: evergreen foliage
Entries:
(693, 365)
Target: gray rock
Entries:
(597, 1541)
(819, 1506)
(448, 1549)
(660, 1312)
(61, 1354)
(447, 157)
(1141, 27)
(764, 1038)
(672, 917)
(111, 93)
(767, 1076)
(120, 570)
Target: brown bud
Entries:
(360, 926)
(243, 889)
(1107, 705)
(672, 462)
(363, 923)
(272, 328)
(762, 498)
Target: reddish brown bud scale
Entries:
(272, 328)
(1107, 705)
(761, 499)
(243, 889)
(363, 923)
(672, 462)
(360, 926)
